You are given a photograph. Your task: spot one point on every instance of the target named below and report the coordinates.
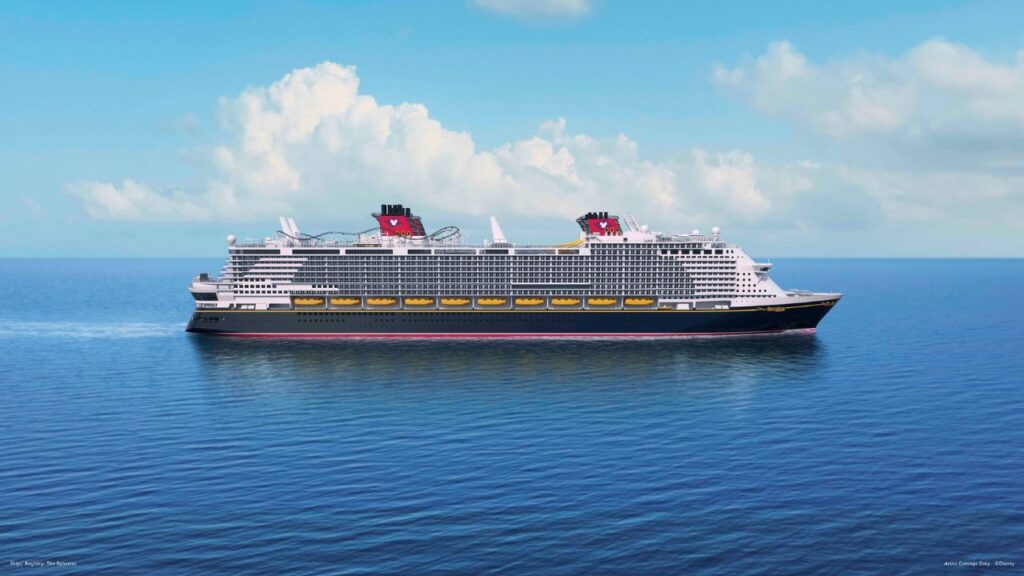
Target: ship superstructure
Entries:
(617, 278)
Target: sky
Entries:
(802, 129)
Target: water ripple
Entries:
(42, 330)
(888, 442)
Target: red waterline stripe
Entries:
(499, 335)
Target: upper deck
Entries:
(611, 260)
(594, 232)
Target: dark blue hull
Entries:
(508, 323)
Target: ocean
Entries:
(892, 441)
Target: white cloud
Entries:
(842, 99)
(537, 8)
(973, 201)
(937, 94)
(731, 176)
(135, 201)
(311, 140)
(934, 137)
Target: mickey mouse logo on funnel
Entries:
(600, 224)
(397, 220)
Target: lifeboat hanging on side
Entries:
(381, 301)
(529, 301)
(454, 301)
(346, 301)
(308, 301)
(419, 301)
(491, 301)
(565, 301)
(639, 301)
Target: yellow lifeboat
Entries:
(639, 301)
(565, 301)
(419, 301)
(309, 301)
(529, 301)
(601, 301)
(491, 301)
(454, 301)
(381, 301)
(344, 301)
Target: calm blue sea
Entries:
(890, 442)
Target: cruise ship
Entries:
(617, 279)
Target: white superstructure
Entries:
(606, 263)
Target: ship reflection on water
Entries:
(697, 364)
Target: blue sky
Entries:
(801, 128)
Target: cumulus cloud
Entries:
(537, 8)
(963, 200)
(312, 140)
(731, 177)
(135, 201)
(935, 135)
(938, 95)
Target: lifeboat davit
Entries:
(529, 301)
(381, 301)
(565, 301)
(601, 301)
(491, 301)
(639, 301)
(419, 301)
(309, 301)
(344, 301)
(454, 301)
